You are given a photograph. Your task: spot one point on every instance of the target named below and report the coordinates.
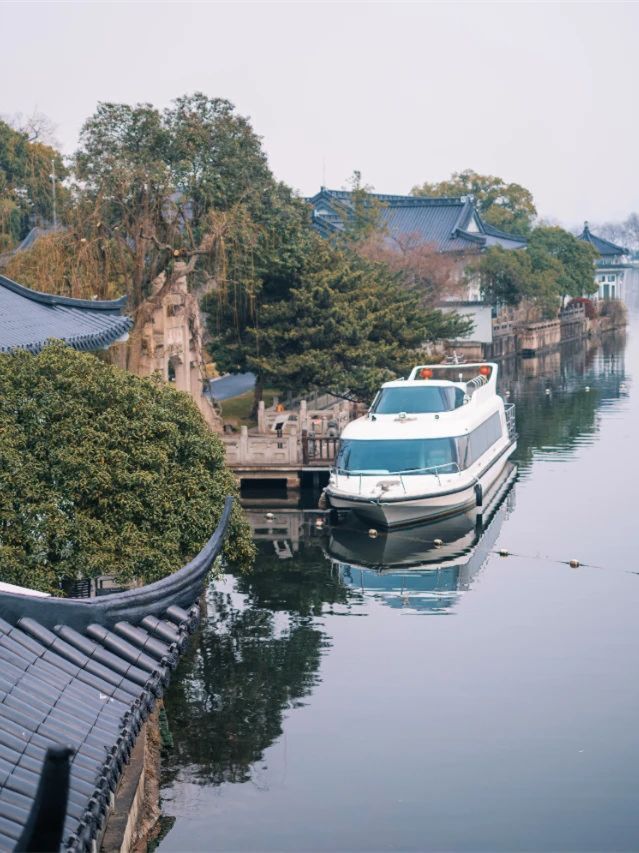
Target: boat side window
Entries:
(474, 445)
(416, 400)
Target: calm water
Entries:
(478, 703)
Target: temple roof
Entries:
(85, 673)
(28, 319)
(449, 224)
(604, 247)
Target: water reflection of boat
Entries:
(409, 567)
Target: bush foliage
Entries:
(104, 473)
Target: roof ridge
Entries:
(463, 214)
(408, 200)
(53, 299)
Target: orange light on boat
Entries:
(484, 370)
(425, 373)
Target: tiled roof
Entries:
(28, 319)
(443, 222)
(604, 247)
(85, 673)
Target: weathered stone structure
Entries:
(168, 339)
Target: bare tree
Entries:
(421, 266)
(625, 233)
(37, 126)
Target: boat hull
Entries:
(393, 513)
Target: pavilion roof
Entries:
(28, 319)
(603, 246)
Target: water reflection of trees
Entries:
(302, 585)
(258, 654)
(558, 395)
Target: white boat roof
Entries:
(483, 400)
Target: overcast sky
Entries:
(544, 94)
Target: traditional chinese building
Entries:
(611, 265)
(452, 226)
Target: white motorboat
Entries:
(430, 446)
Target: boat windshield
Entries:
(406, 456)
(414, 399)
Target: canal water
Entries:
(354, 694)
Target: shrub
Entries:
(589, 306)
(102, 472)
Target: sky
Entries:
(543, 94)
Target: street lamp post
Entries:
(55, 217)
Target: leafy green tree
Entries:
(554, 265)
(125, 185)
(575, 273)
(26, 191)
(342, 324)
(103, 473)
(507, 206)
(215, 157)
(508, 278)
(361, 218)
(170, 184)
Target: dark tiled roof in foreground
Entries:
(449, 224)
(85, 673)
(28, 319)
(604, 247)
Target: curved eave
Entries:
(109, 305)
(491, 231)
(180, 588)
(470, 236)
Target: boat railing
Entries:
(474, 384)
(511, 424)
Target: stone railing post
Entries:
(261, 417)
(243, 444)
(303, 415)
(293, 453)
